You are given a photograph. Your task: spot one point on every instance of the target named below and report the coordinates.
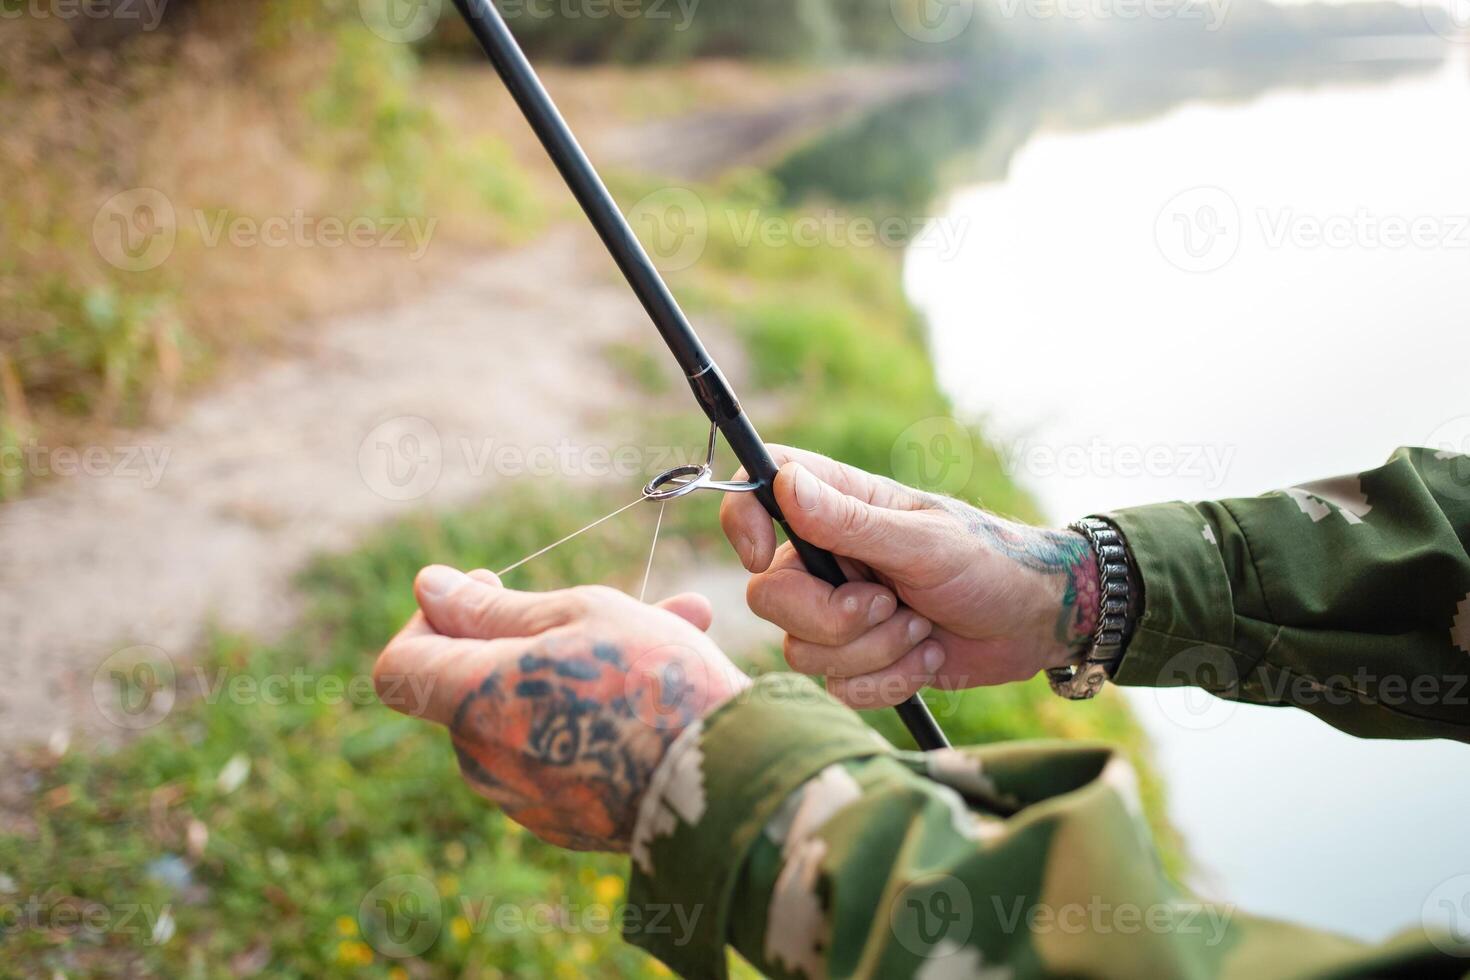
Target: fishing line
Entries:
(579, 531)
(652, 548)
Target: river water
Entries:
(1280, 275)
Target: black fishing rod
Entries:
(710, 387)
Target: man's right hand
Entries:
(940, 593)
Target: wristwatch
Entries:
(1097, 666)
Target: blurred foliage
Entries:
(892, 160)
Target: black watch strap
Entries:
(1114, 627)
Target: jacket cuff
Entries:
(719, 784)
(1188, 618)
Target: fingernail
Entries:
(933, 658)
(918, 629)
(882, 607)
(440, 580)
(745, 547)
(808, 490)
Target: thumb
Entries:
(478, 607)
(822, 515)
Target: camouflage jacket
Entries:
(784, 827)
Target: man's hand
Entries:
(561, 704)
(987, 600)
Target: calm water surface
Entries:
(1285, 283)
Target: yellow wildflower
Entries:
(609, 889)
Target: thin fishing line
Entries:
(652, 548)
(583, 530)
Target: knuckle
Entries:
(846, 618)
(853, 519)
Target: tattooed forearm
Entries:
(1065, 554)
(571, 737)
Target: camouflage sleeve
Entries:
(1349, 597)
(784, 827)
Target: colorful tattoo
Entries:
(565, 742)
(1050, 552)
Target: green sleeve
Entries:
(784, 827)
(1348, 597)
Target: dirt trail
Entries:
(368, 424)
